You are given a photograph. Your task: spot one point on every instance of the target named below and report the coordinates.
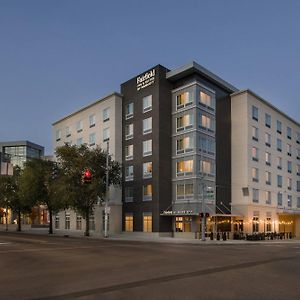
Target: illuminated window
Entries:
(268, 158)
(207, 100)
(184, 99)
(147, 192)
(255, 174)
(184, 167)
(147, 170)
(207, 167)
(128, 222)
(147, 222)
(183, 224)
(255, 224)
(147, 103)
(185, 122)
(268, 224)
(185, 144)
(207, 122)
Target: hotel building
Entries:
(94, 125)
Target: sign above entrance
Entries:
(178, 213)
(145, 80)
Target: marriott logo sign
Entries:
(145, 80)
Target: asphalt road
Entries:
(43, 267)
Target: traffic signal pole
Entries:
(106, 196)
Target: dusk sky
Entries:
(60, 55)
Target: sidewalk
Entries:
(26, 229)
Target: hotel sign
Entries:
(145, 80)
(177, 212)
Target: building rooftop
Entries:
(21, 143)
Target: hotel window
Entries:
(298, 202)
(58, 135)
(147, 148)
(129, 173)
(128, 131)
(207, 123)
(67, 220)
(268, 197)
(254, 113)
(289, 183)
(78, 222)
(128, 111)
(268, 159)
(255, 177)
(289, 166)
(79, 142)
(92, 120)
(184, 122)
(279, 181)
(147, 170)
(128, 152)
(279, 127)
(147, 125)
(298, 153)
(92, 139)
(254, 133)
(268, 139)
(106, 113)
(185, 144)
(268, 120)
(184, 99)
(184, 191)
(207, 145)
(183, 224)
(57, 222)
(255, 195)
(207, 167)
(147, 222)
(106, 134)
(298, 170)
(298, 186)
(298, 138)
(79, 126)
(255, 224)
(129, 194)
(184, 167)
(128, 222)
(268, 178)
(279, 163)
(289, 132)
(289, 200)
(254, 154)
(279, 199)
(279, 145)
(147, 103)
(147, 192)
(289, 149)
(207, 100)
(68, 131)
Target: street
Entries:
(51, 267)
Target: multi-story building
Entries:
(265, 165)
(176, 149)
(93, 125)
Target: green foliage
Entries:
(73, 161)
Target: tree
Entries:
(74, 161)
(11, 195)
(40, 182)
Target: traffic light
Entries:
(87, 176)
(206, 215)
(201, 215)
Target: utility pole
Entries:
(106, 196)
